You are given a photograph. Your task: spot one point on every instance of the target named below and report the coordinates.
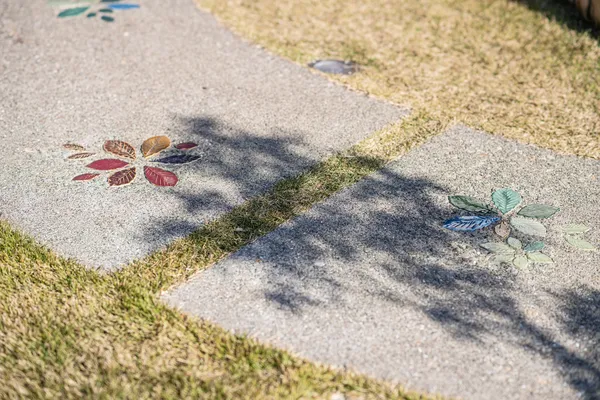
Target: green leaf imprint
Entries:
(575, 228)
(520, 261)
(498, 248)
(540, 258)
(469, 204)
(506, 199)
(579, 243)
(514, 243)
(528, 226)
(538, 211)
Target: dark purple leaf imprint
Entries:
(178, 159)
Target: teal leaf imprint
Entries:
(534, 246)
(506, 200)
(72, 12)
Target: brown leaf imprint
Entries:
(73, 146)
(155, 145)
(77, 156)
(502, 229)
(120, 148)
(122, 177)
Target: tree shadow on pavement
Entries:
(382, 242)
(234, 166)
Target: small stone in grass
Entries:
(334, 66)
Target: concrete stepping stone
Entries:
(371, 280)
(163, 69)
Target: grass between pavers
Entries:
(524, 69)
(68, 332)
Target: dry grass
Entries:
(502, 66)
(67, 332)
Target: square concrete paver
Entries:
(163, 69)
(370, 280)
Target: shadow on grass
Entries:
(564, 13)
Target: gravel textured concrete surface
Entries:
(370, 280)
(164, 69)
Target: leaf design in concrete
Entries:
(160, 177)
(186, 146)
(122, 177)
(85, 177)
(155, 145)
(126, 172)
(107, 164)
(78, 156)
(119, 148)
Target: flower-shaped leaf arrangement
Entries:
(126, 172)
(104, 9)
(507, 218)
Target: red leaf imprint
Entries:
(160, 177)
(85, 177)
(107, 164)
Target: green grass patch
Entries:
(68, 332)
